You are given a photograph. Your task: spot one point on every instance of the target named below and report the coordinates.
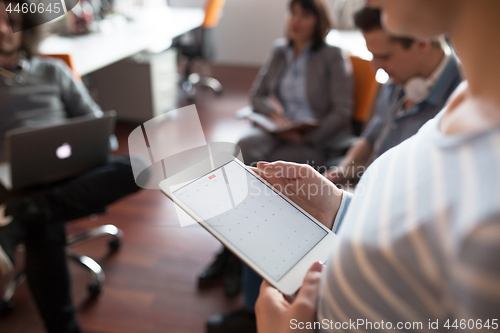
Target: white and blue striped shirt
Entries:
(421, 238)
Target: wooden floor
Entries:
(151, 282)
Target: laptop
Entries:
(41, 155)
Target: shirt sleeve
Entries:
(74, 94)
(373, 129)
(344, 204)
(341, 96)
(475, 275)
(261, 87)
(376, 124)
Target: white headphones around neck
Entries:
(418, 88)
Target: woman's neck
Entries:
(476, 38)
(299, 46)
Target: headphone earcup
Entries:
(416, 89)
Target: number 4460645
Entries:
(34, 8)
(472, 324)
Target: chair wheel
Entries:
(114, 244)
(6, 307)
(94, 289)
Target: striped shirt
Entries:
(420, 240)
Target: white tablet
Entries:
(270, 233)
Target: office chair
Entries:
(365, 92)
(201, 46)
(87, 263)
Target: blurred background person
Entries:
(44, 91)
(303, 79)
(423, 74)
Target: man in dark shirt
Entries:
(36, 90)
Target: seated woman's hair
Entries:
(323, 25)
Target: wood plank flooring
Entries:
(150, 282)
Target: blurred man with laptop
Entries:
(35, 92)
(45, 154)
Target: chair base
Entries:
(188, 85)
(87, 263)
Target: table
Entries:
(152, 29)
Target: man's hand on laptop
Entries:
(304, 186)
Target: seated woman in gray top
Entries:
(304, 79)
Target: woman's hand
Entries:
(304, 186)
(276, 315)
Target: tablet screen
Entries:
(260, 223)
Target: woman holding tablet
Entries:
(419, 247)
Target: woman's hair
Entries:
(323, 25)
(30, 29)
